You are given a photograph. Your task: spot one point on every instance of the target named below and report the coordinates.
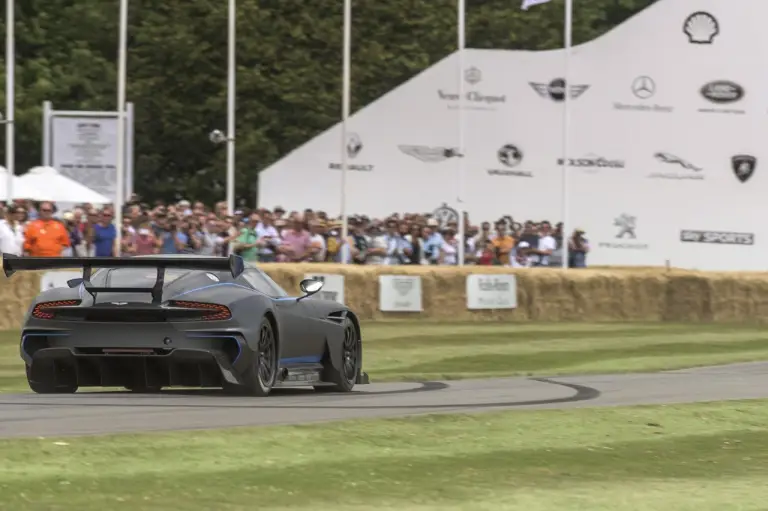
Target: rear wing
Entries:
(233, 264)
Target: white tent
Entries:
(59, 188)
(21, 189)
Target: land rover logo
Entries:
(722, 91)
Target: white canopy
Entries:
(59, 188)
(21, 189)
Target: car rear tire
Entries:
(344, 379)
(47, 388)
(261, 375)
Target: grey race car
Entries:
(145, 323)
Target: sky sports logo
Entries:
(717, 237)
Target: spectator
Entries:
(45, 236)
(269, 238)
(433, 242)
(12, 231)
(578, 247)
(246, 244)
(450, 247)
(104, 235)
(145, 242)
(416, 245)
(295, 246)
(503, 243)
(317, 244)
(546, 245)
(358, 243)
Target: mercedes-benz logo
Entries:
(643, 87)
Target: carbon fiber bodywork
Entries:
(127, 339)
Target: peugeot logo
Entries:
(643, 87)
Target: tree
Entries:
(289, 70)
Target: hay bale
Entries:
(601, 294)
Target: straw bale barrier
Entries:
(640, 295)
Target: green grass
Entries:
(429, 351)
(700, 457)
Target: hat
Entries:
(183, 203)
(68, 215)
(524, 244)
(432, 223)
(279, 209)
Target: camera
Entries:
(217, 137)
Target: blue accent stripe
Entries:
(311, 359)
(219, 336)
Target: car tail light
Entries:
(215, 312)
(41, 309)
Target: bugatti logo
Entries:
(701, 28)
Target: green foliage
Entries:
(289, 70)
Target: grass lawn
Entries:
(411, 350)
(710, 456)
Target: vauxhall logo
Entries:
(476, 98)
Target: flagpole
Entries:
(122, 54)
(345, 100)
(460, 160)
(10, 74)
(231, 76)
(566, 128)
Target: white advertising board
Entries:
(333, 289)
(491, 292)
(85, 149)
(667, 137)
(54, 279)
(400, 293)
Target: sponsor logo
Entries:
(493, 284)
(717, 237)
(430, 154)
(627, 227)
(701, 28)
(593, 163)
(403, 285)
(743, 166)
(671, 159)
(445, 215)
(354, 146)
(722, 92)
(643, 88)
(555, 90)
(476, 99)
(510, 156)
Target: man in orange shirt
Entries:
(503, 243)
(45, 237)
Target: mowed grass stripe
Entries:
(658, 455)
(415, 350)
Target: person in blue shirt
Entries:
(104, 235)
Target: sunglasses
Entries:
(46, 210)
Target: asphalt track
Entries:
(31, 415)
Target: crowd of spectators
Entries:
(39, 229)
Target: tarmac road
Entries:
(31, 415)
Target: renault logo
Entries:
(643, 87)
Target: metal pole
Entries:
(129, 177)
(566, 127)
(460, 160)
(47, 113)
(231, 109)
(10, 89)
(121, 79)
(344, 115)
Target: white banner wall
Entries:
(669, 118)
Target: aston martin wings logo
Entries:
(427, 153)
(671, 158)
(119, 303)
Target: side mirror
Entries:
(310, 287)
(74, 282)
